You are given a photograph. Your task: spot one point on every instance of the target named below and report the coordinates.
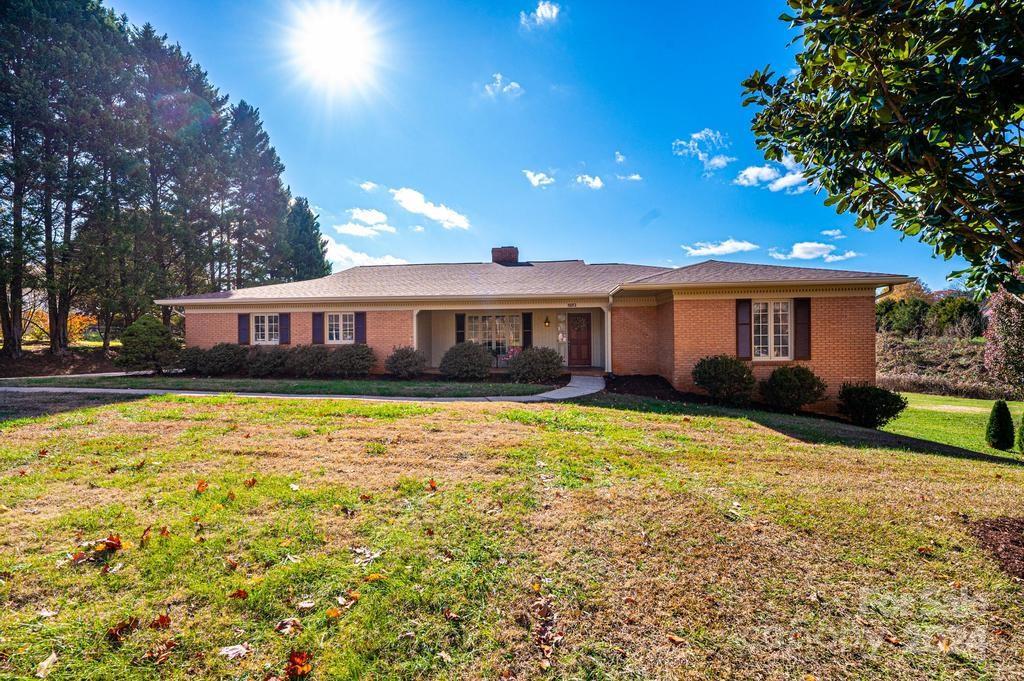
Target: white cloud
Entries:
(786, 176)
(414, 202)
(833, 233)
(417, 228)
(620, 157)
(545, 14)
(538, 179)
(730, 245)
(360, 229)
(368, 186)
(702, 145)
(632, 177)
(838, 257)
(500, 87)
(590, 181)
(369, 216)
(811, 250)
(343, 257)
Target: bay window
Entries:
(341, 327)
(266, 329)
(772, 329)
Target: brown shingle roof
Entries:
(717, 272)
(460, 280)
(527, 279)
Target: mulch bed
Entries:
(656, 387)
(1004, 539)
(39, 362)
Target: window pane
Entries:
(333, 328)
(348, 327)
(780, 329)
(760, 329)
(272, 328)
(259, 328)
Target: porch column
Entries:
(415, 329)
(607, 337)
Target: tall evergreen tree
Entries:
(307, 248)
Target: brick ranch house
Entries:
(626, 319)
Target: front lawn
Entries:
(625, 538)
(953, 421)
(379, 387)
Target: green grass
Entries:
(383, 388)
(955, 421)
(764, 545)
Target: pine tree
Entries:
(999, 433)
(307, 248)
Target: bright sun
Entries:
(333, 48)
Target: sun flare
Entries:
(333, 48)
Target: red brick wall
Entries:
(635, 340)
(206, 329)
(667, 335)
(387, 330)
(842, 339)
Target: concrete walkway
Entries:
(578, 386)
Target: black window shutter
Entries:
(284, 328)
(802, 328)
(527, 330)
(460, 328)
(743, 338)
(318, 328)
(243, 329)
(361, 328)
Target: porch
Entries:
(578, 334)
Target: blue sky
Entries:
(627, 117)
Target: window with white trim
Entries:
(341, 327)
(266, 329)
(498, 332)
(772, 329)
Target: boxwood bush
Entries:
(870, 406)
(466, 362)
(148, 344)
(351, 360)
(790, 388)
(725, 378)
(405, 362)
(264, 362)
(223, 359)
(535, 365)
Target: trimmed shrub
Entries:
(535, 365)
(1020, 434)
(308, 361)
(790, 388)
(870, 406)
(467, 362)
(405, 362)
(999, 433)
(726, 379)
(263, 362)
(223, 359)
(351, 360)
(191, 360)
(148, 344)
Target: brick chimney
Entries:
(505, 255)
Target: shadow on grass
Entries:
(810, 429)
(15, 406)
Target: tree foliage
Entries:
(125, 175)
(1004, 340)
(909, 113)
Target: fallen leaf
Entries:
(236, 651)
(450, 615)
(365, 497)
(239, 594)
(44, 667)
(432, 485)
(942, 642)
(231, 495)
(117, 633)
(164, 532)
(676, 640)
(231, 563)
(299, 665)
(333, 612)
(293, 487)
(250, 482)
(288, 626)
(46, 612)
(162, 621)
(42, 453)
(287, 541)
(159, 653)
(375, 577)
(889, 638)
(144, 539)
(925, 550)
(202, 486)
(306, 605)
